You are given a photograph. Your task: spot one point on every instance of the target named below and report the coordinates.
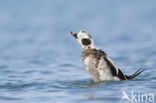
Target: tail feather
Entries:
(139, 71)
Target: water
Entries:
(40, 62)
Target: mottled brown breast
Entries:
(96, 54)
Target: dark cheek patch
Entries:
(86, 42)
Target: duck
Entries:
(97, 63)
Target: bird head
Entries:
(84, 38)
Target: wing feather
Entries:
(112, 62)
(114, 69)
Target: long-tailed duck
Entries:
(97, 63)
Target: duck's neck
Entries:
(89, 47)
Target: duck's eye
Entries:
(86, 41)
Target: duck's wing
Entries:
(114, 69)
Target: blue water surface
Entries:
(40, 62)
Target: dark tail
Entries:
(135, 74)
